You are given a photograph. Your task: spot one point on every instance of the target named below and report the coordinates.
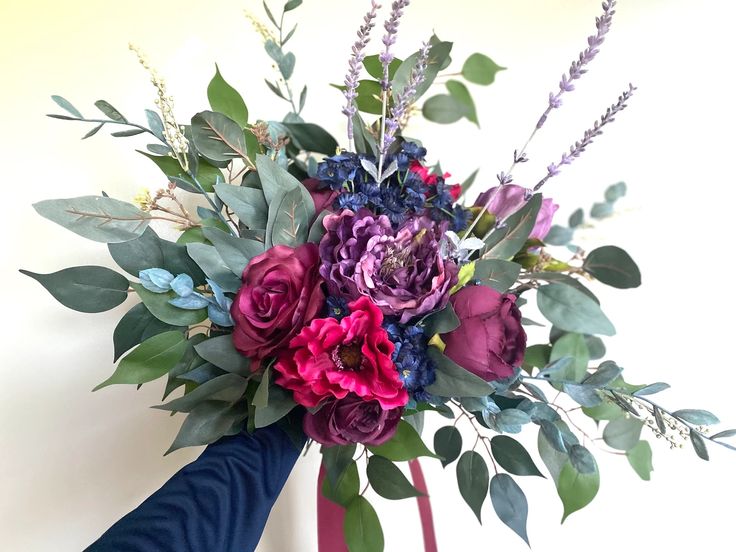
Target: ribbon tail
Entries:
(425, 507)
(330, 519)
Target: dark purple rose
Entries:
(508, 199)
(402, 271)
(490, 340)
(322, 197)
(352, 420)
(281, 293)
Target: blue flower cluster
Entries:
(416, 369)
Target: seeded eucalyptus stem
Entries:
(105, 121)
(212, 204)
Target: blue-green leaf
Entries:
(472, 480)
(572, 311)
(510, 504)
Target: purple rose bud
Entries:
(506, 200)
(490, 340)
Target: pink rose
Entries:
(281, 292)
(490, 340)
(329, 359)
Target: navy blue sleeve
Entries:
(218, 503)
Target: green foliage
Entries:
(347, 487)
(137, 325)
(440, 322)
(497, 273)
(210, 261)
(622, 433)
(221, 352)
(225, 99)
(150, 360)
(227, 389)
(577, 489)
(336, 459)
(510, 504)
(480, 69)
(217, 137)
(512, 456)
(84, 288)
(207, 173)
(453, 380)
(158, 305)
(406, 444)
(248, 204)
(205, 424)
(573, 311)
(387, 479)
(640, 458)
(96, 218)
(613, 266)
(444, 109)
(698, 445)
(362, 528)
(695, 416)
(311, 137)
(439, 58)
(289, 215)
(472, 480)
(375, 69)
(571, 345)
(448, 443)
(280, 403)
(110, 111)
(67, 106)
(504, 243)
(235, 252)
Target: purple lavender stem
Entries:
(389, 39)
(351, 79)
(579, 147)
(405, 97)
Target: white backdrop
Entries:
(73, 462)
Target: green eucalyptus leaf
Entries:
(497, 273)
(207, 174)
(210, 261)
(652, 388)
(444, 109)
(572, 311)
(336, 460)
(640, 458)
(559, 278)
(406, 444)
(158, 305)
(512, 456)
(576, 218)
(622, 433)
(311, 137)
(559, 235)
(480, 69)
(221, 352)
(472, 480)
(439, 56)
(387, 479)
(441, 322)
(510, 504)
(577, 489)
(218, 137)
(127, 133)
(571, 345)
(227, 388)
(695, 416)
(448, 443)
(96, 218)
(361, 527)
(84, 288)
(461, 93)
(601, 210)
(289, 215)
(205, 424)
(613, 266)
(248, 204)
(453, 380)
(225, 99)
(67, 106)
(505, 242)
(699, 445)
(235, 252)
(110, 111)
(150, 360)
(615, 192)
(137, 325)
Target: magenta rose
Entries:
(330, 359)
(490, 340)
(507, 199)
(280, 294)
(352, 420)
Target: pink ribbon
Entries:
(330, 516)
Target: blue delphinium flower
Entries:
(338, 169)
(393, 204)
(441, 202)
(416, 369)
(410, 151)
(337, 307)
(461, 218)
(350, 200)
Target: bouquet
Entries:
(345, 293)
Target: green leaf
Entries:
(205, 424)
(221, 352)
(235, 252)
(227, 388)
(615, 192)
(441, 322)
(444, 109)
(439, 57)
(280, 403)
(577, 489)
(387, 479)
(127, 133)
(218, 137)
(336, 459)
(150, 360)
(97, 218)
(512, 456)
(640, 458)
(67, 106)
(260, 398)
(613, 266)
(289, 215)
(510, 504)
(207, 174)
(472, 480)
(158, 305)
(604, 411)
(572, 311)
(137, 325)
(504, 243)
(552, 448)
(601, 210)
(461, 93)
(110, 111)
(453, 380)
(94, 131)
(697, 417)
(448, 444)
(225, 99)
(275, 180)
(84, 288)
(406, 444)
(606, 373)
(558, 235)
(311, 137)
(497, 273)
(480, 69)
(576, 218)
(571, 345)
(209, 260)
(652, 388)
(564, 279)
(249, 204)
(362, 528)
(347, 488)
(699, 445)
(374, 67)
(622, 433)
(368, 99)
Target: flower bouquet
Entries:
(343, 294)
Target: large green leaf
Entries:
(507, 241)
(158, 304)
(622, 433)
(613, 266)
(221, 352)
(444, 109)
(406, 444)
(205, 424)
(362, 528)
(387, 479)
(207, 174)
(640, 458)
(137, 325)
(227, 388)
(448, 443)
(439, 57)
(225, 99)
(84, 288)
(97, 218)
(280, 403)
(218, 137)
(235, 252)
(346, 488)
(512, 456)
(311, 137)
(210, 261)
(472, 480)
(577, 489)
(497, 273)
(455, 381)
(336, 459)
(480, 69)
(248, 204)
(572, 311)
(150, 360)
(275, 180)
(289, 215)
(510, 504)
(571, 345)
(461, 93)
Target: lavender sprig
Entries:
(389, 39)
(351, 79)
(405, 98)
(579, 147)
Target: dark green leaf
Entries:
(362, 528)
(406, 444)
(699, 445)
(84, 288)
(536, 356)
(205, 424)
(235, 252)
(317, 230)
(472, 480)
(209, 260)
(576, 219)
(158, 305)
(622, 433)
(221, 352)
(280, 403)
(289, 215)
(150, 360)
(724, 434)
(156, 125)
(552, 435)
(227, 388)
(218, 137)
(225, 99)
(505, 242)
(67, 106)
(510, 504)
(480, 69)
(247, 203)
(94, 131)
(137, 325)
(347, 488)
(582, 460)
(336, 459)
(442, 321)
(607, 372)
(127, 133)
(613, 266)
(207, 174)
(572, 311)
(110, 111)
(448, 444)
(453, 380)
(697, 417)
(640, 458)
(496, 273)
(292, 4)
(387, 479)
(559, 278)
(311, 137)
(512, 456)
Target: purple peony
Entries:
(490, 340)
(401, 271)
(352, 420)
(509, 199)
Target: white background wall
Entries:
(73, 462)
